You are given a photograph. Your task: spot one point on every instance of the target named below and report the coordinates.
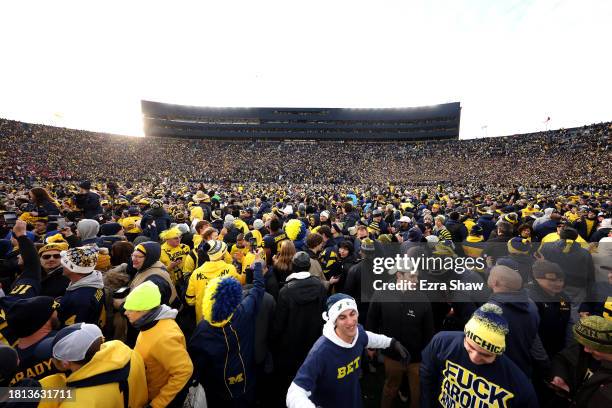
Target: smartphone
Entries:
(61, 223)
(10, 219)
(121, 293)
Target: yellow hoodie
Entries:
(199, 280)
(167, 363)
(113, 355)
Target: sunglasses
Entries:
(49, 256)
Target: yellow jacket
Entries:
(167, 363)
(553, 236)
(199, 279)
(113, 355)
(170, 254)
(190, 261)
(131, 225)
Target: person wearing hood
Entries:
(84, 298)
(87, 230)
(101, 374)
(471, 369)
(297, 322)
(329, 376)
(161, 344)
(222, 346)
(346, 260)
(521, 314)
(145, 259)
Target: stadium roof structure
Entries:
(438, 122)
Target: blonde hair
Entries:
(284, 257)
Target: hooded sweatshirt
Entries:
(523, 320)
(83, 301)
(330, 374)
(96, 382)
(161, 344)
(223, 355)
(155, 271)
(297, 321)
(88, 231)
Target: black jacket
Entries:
(297, 321)
(407, 318)
(54, 283)
(575, 261)
(554, 314)
(89, 203)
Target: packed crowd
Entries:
(574, 157)
(163, 273)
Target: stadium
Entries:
(439, 122)
(209, 179)
(272, 204)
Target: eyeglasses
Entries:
(554, 279)
(49, 256)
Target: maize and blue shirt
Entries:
(450, 379)
(329, 377)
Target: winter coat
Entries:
(523, 320)
(163, 349)
(297, 322)
(407, 317)
(83, 301)
(114, 378)
(224, 356)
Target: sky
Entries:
(511, 64)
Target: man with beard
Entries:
(53, 281)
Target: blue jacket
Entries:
(450, 379)
(545, 228)
(224, 357)
(83, 301)
(523, 319)
(487, 224)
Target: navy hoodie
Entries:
(224, 357)
(523, 319)
(450, 379)
(487, 224)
